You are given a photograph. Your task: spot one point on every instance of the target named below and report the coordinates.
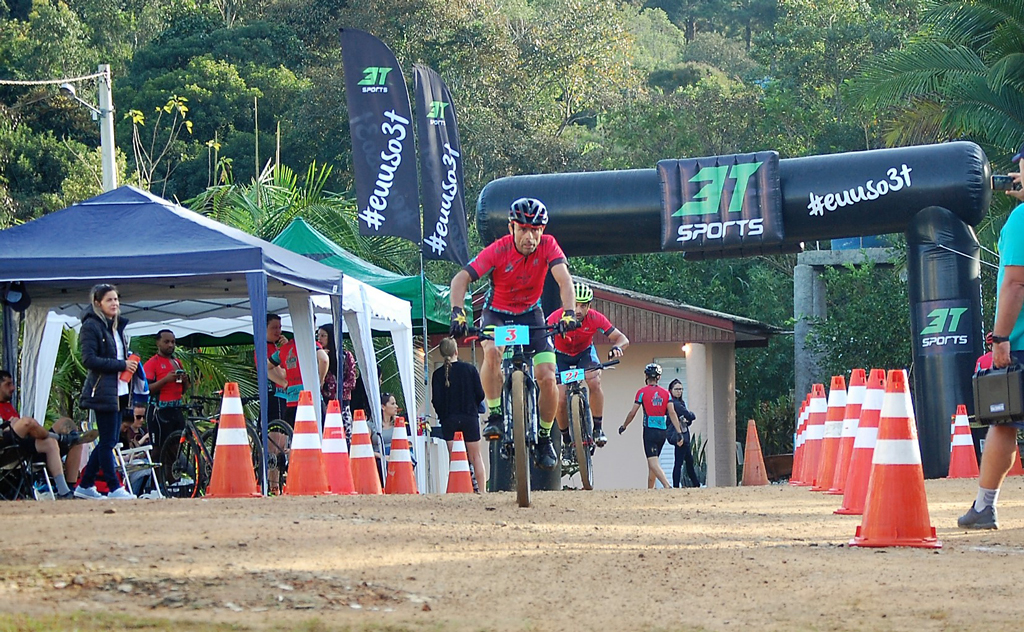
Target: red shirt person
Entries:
(517, 264)
(656, 404)
(167, 378)
(575, 349)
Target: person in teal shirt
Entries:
(1007, 348)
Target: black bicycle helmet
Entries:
(653, 370)
(528, 211)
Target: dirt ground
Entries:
(773, 558)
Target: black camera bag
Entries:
(999, 395)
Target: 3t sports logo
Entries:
(708, 201)
(943, 326)
(437, 109)
(436, 114)
(374, 79)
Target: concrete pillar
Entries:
(711, 377)
(697, 390)
(808, 303)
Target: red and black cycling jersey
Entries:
(577, 341)
(654, 401)
(517, 280)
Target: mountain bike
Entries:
(187, 455)
(581, 426)
(519, 400)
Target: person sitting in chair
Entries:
(33, 439)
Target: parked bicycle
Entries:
(519, 399)
(187, 455)
(581, 426)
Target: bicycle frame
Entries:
(514, 359)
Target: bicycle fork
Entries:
(530, 399)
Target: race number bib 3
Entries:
(508, 335)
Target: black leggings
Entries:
(683, 453)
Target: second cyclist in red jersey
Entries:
(517, 264)
(575, 349)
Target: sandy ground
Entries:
(774, 558)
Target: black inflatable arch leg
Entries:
(944, 286)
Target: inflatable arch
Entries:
(751, 204)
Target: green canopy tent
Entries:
(305, 240)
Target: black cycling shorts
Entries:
(540, 340)
(470, 429)
(585, 359)
(26, 444)
(654, 440)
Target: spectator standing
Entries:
(1007, 348)
(655, 402)
(348, 383)
(456, 394)
(168, 381)
(105, 354)
(684, 453)
(329, 386)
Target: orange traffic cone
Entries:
(233, 475)
(335, 449)
(851, 419)
(833, 432)
(963, 462)
(1016, 469)
(859, 474)
(753, 461)
(460, 481)
(896, 513)
(364, 465)
(798, 441)
(306, 475)
(815, 433)
(401, 478)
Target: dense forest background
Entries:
(220, 103)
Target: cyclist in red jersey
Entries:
(576, 349)
(656, 403)
(518, 263)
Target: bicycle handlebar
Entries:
(480, 333)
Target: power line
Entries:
(47, 82)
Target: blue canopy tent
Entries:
(168, 262)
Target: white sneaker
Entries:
(89, 493)
(121, 494)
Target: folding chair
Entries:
(15, 476)
(135, 460)
(19, 473)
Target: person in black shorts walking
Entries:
(456, 393)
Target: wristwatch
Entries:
(996, 339)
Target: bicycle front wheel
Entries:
(279, 446)
(581, 439)
(181, 466)
(522, 452)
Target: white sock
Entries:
(986, 498)
(62, 484)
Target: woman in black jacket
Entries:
(681, 442)
(106, 355)
(456, 393)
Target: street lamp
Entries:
(105, 115)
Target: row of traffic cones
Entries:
(862, 444)
(322, 467)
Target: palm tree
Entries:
(961, 76)
(267, 205)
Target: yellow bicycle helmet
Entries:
(582, 292)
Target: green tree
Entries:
(868, 323)
(961, 76)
